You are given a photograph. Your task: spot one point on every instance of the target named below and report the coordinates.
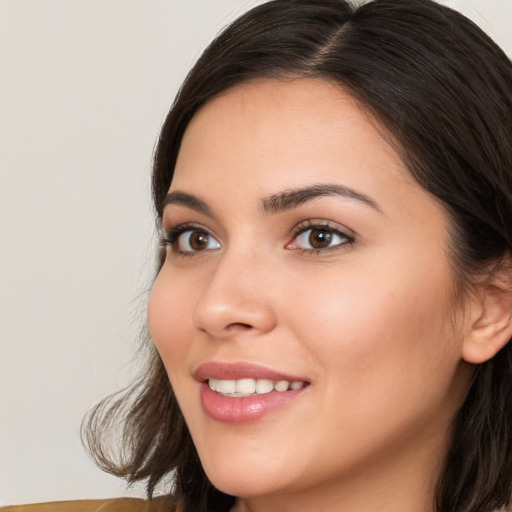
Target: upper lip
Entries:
(234, 371)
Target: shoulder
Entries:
(114, 505)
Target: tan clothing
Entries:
(114, 505)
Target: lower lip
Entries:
(244, 409)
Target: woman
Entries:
(332, 312)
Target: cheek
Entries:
(169, 318)
(379, 331)
(386, 358)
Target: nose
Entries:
(237, 299)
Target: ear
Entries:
(490, 322)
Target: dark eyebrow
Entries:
(295, 197)
(188, 200)
(276, 202)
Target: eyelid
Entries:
(320, 224)
(171, 235)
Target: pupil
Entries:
(320, 238)
(198, 240)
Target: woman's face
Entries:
(301, 251)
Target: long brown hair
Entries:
(443, 91)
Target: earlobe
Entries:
(490, 327)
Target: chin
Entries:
(243, 470)
(245, 482)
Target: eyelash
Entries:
(323, 225)
(171, 237)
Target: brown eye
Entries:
(198, 241)
(194, 240)
(319, 238)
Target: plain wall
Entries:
(84, 88)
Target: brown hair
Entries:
(443, 90)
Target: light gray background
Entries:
(84, 88)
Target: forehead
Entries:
(268, 125)
(294, 106)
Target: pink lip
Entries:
(242, 409)
(235, 371)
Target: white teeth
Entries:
(248, 387)
(226, 386)
(264, 386)
(281, 385)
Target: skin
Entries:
(371, 321)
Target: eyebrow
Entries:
(190, 201)
(294, 197)
(275, 203)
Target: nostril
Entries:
(239, 325)
(222, 313)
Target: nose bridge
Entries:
(237, 295)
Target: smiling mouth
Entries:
(252, 387)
